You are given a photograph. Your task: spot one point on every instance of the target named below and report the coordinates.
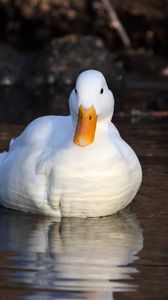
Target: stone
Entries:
(13, 66)
(64, 58)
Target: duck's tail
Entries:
(5, 153)
(2, 156)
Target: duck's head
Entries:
(91, 105)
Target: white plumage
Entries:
(45, 172)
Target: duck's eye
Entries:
(75, 91)
(101, 91)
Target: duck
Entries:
(72, 166)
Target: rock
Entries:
(13, 66)
(40, 83)
(64, 58)
(58, 63)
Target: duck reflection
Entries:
(86, 255)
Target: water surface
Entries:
(117, 257)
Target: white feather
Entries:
(45, 172)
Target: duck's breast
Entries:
(96, 180)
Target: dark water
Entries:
(124, 256)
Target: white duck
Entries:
(73, 166)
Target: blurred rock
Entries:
(57, 63)
(37, 83)
(63, 59)
(13, 66)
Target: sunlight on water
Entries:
(88, 257)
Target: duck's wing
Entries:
(26, 177)
(48, 130)
(129, 158)
(44, 136)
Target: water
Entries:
(76, 255)
(124, 256)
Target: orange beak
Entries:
(86, 126)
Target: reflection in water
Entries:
(85, 255)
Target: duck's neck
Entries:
(103, 124)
